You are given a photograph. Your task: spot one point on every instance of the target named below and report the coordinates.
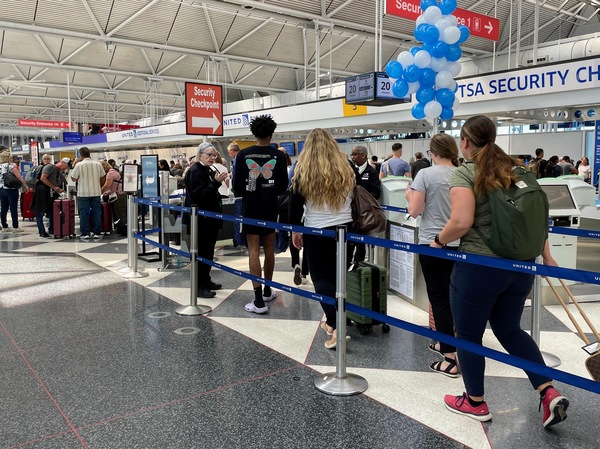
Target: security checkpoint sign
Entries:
(203, 109)
(479, 25)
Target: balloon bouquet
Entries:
(428, 71)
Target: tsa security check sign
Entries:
(570, 76)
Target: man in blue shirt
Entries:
(395, 166)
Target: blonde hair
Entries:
(323, 174)
(493, 165)
(105, 165)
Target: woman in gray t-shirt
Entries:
(429, 196)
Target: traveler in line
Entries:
(420, 163)
(51, 185)
(259, 177)
(585, 170)
(395, 166)
(429, 196)
(567, 167)
(9, 197)
(479, 294)
(322, 190)
(202, 185)
(89, 176)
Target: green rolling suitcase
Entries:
(366, 286)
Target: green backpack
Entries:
(519, 219)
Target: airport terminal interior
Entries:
(95, 360)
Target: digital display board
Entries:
(300, 146)
(373, 89)
(150, 179)
(290, 147)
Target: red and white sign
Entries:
(203, 109)
(44, 124)
(479, 25)
(35, 155)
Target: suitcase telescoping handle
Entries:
(581, 311)
(583, 314)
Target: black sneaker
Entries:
(206, 293)
(46, 235)
(213, 286)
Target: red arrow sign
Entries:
(203, 109)
(479, 25)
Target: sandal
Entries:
(437, 350)
(437, 367)
(328, 330)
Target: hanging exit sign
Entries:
(479, 25)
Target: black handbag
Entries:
(10, 180)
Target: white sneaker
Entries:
(250, 307)
(305, 281)
(96, 236)
(6, 230)
(84, 237)
(270, 297)
(297, 275)
(18, 230)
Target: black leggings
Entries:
(295, 253)
(437, 273)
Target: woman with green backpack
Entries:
(480, 294)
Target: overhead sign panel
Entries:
(373, 89)
(479, 25)
(203, 109)
(44, 124)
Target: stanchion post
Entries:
(132, 229)
(341, 383)
(193, 309)
(536, 309)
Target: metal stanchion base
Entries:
(551, 360)
(134, 274)
(350, 385)
(149, 257)
(193, 310)
(127, 269)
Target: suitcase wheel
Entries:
(385, 328)
(364, 329)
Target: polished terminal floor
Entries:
(88, 362)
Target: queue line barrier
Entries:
(511, 265)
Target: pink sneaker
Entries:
(462, 406)
(555, 407)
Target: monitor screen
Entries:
(559, 197)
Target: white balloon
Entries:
(432, 14)
(454, 68)
(452, 87)
(438, 64)
(452, 19)
(422, 59)
(433, 109)
(451, 35)
(456, 103)
(442, 24)
(420, 20)
(413, 87)
(429, 120)
(405, 59)
(443, 80)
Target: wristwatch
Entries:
(436, 239)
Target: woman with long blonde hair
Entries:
(322, 190)
(480, 294)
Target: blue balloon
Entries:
(427, 48)
(425, 95)
(400, 88)
(431, 34)
(427, 78)
(447, 113)
(445, 97)
(420, 31)
(414, 50)
(455, 88)
(418, 111)
(394, 69)
(464, 33)
(447, 6)
(427, 3)
(412, 73)
(454, 52)
(439, 49)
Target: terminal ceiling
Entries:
(123, 60)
